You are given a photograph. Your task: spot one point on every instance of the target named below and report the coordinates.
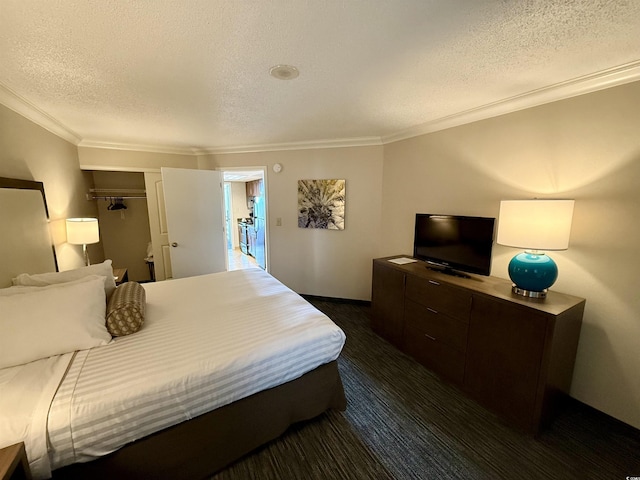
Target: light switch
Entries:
(278, 222)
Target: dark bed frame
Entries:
(200, 447)
(204, 445)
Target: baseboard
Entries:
(363, 303)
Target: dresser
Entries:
(512, 354)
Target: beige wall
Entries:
(586, 148)
(29, 152)
(124, 233)
(320, 262)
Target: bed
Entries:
(222, 364)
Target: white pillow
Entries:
(52, 321)
(19, 289)
(4, 292)
(42, 279)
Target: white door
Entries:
(158, 225)
(195, 221)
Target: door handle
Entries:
(174, 244)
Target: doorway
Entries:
(228, 214)
(235, 207)
(245, 199)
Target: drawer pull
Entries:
(433, 282)
(430, 337)
(432, 310)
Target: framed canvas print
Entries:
(321, 204)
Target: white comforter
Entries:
(207, 341)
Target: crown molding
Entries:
(111, 168)
(24, 107)
(612, 77)
(138, 148)
(278, 147)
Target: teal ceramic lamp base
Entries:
(532, 273)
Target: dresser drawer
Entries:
(444, 360)
(439, 297)
(436, 326)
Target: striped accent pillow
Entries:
(125, 310)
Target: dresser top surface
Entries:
(555, 303)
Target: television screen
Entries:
(452, 242)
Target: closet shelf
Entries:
(111, 193)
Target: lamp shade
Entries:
(535, 224)
(82, 231)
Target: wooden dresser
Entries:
(512, 354)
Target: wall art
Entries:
(321, 204)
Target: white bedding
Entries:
(206, 342)
(25, 395)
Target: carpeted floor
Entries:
(402, 422)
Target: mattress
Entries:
(207, 341)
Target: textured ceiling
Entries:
(194, 74)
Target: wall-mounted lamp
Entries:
(83, 231)
(534, 225)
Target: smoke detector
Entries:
(284, 72)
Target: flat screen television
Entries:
(454, 244)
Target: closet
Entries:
(124, 221)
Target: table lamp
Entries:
(83, 231)
(534, 225)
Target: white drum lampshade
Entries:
(83, 231)
(534, 225)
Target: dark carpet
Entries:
(402, 422)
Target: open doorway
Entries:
(245, 200)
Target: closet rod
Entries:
(111, 193)
(124, 191)
(112, 197)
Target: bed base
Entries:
(204, 445)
